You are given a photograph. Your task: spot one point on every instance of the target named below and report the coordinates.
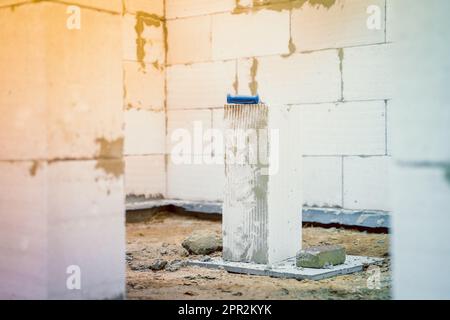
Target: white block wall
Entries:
(144, 100)
(324, 61)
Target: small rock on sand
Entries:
(157, 264)
(175, 265)
(203, 242)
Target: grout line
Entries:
(144, 155)
(14, 5)
(197, 15)
(424, 164)
(68, 3)
(279, 54)
(287, 104)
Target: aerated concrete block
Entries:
(186, 84)
(189, 40)
(321, 257)
(256, 30)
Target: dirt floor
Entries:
(155, 238)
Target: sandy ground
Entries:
(159, 236)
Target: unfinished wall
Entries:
(144, 97)
(317, 56)
(61, 137)
(421, 171)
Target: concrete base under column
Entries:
(288, 269)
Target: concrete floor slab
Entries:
(326, 216)
(288, 269)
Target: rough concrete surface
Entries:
(160, 235)
(288, 270)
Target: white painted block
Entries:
(200, 85)
(322, 181)
(189, 40)
(149, 6)
(421, 204)
(300, 78)
(366, 183)
(84, 190)
(145, 176)
(23, 236)
(53, 214)
(51, 112)
(343, 24)
(85, 97)
(367, 72)
(246, 35)
(144, 88)
(352, 128)
(189, 128)
(86, 207)
(186, 8)
(23, 114)
(262, 198)
(195, 181)
(148, 32)
(97, 247)
(144, 132)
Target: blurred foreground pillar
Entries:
(62, 232)
(420, 129)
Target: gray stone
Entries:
(175, 265)
(157, 264)
(138, 266)
(321, 257)
(203, 242)
(205, 258)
